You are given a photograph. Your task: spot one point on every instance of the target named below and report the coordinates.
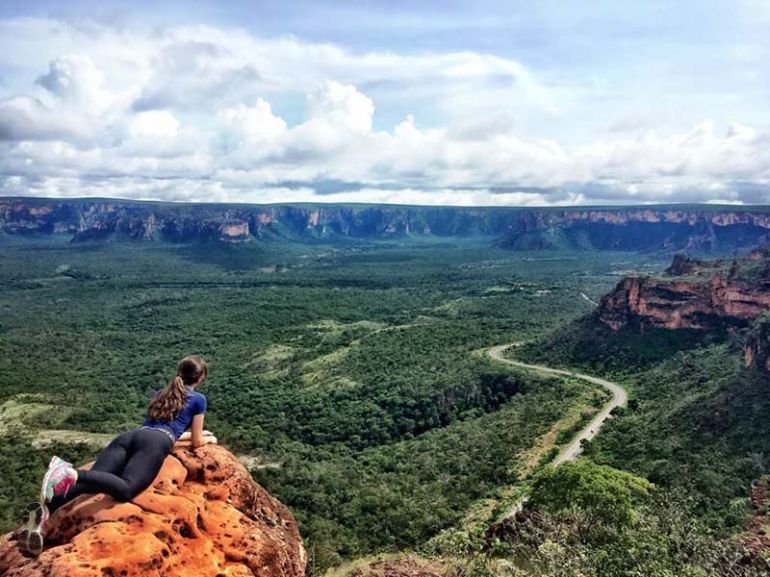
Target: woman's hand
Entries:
(207, 438)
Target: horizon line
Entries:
(730, 206)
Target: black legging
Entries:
(125, 468)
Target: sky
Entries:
(432, 102)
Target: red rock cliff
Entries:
(203, 516)
(676, 304)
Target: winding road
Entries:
(619, 399)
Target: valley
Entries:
(364, 382)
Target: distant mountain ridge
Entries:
(696, 228)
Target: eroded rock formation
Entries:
(203, 516)
(702, 295)
(677, 304)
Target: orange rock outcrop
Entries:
(676, 304)
(203, 516)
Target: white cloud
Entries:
(341, 106)
(27, 118)
(77, 82)
(160, 124)
(252, 124)
(158, 134)
(193, 113)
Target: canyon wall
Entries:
(632, 228)
(702, 295)
(680, 304)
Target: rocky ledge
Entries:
(203, 516)
(701, 295)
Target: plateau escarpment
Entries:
(631, 228)
(700, 295)
(677, 304)
(694, 294)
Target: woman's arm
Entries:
(198, 436)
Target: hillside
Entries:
(648, 317)
(694, 228)
(693, 345)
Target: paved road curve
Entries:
(619, 399)
(571, 451)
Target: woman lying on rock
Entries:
(128, 465)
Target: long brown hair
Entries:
(171, 399)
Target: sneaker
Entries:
(58, 480)
(30, 535)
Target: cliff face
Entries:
(203, 516)
(756, 351)
(699, 228)
(676, 304)
(700, 294)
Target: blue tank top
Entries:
(195, 405)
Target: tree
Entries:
(597, 495)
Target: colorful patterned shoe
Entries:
(58, 480)
(30, 536)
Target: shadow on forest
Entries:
(588, 342)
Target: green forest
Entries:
(353, 379)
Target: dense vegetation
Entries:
(696, 426)
(697, 419)
(699, 423)
(399, 495)
(353, 379)
(591, 345)
(353, 376)
(587, 520)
